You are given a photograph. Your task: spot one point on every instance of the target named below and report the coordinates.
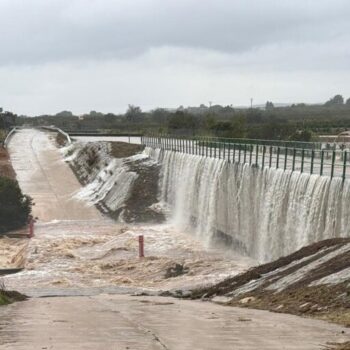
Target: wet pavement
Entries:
(127, 322)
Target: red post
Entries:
(31, 228)
(141, 247)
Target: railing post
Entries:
(294, 154)
(229, 152)
(234, 153)
(278, 157)
(333, 161)
(256, 154)
(250, 153)
(239, 153)
(270, 161)
(302, 160)
(285, 158)
(322, 160)
(344, 164)
(312, 162)
(245, 153)
(263, 157)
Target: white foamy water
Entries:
(266, 213)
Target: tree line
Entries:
(300, 122)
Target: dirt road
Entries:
(64, 250)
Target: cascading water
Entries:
(266, 213)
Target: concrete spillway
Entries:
(266, 213)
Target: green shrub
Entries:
(15, 207)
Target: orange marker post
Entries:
(141, 247)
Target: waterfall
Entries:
(265, 213)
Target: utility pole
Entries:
(251, 103)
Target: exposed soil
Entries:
(143, 195)
(61, 141)
(255, 273)
(124, 150)
(325, 301)
(6, 169)
(343, 346)
(144, 190)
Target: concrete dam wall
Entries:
(265, 213)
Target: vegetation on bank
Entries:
(297, 122)
(9, 297)
(15, 206)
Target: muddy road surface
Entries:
(90, 265)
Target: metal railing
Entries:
(8, 136)
(58, 130)
(324, 162)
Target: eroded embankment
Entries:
(118, 178)
(313, 281)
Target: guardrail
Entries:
(53, 128)
(8, 136)
(324, 162)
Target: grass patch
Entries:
(9, 296)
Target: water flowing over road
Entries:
(42, 174)
(78, 252)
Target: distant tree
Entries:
(160, 115)
(182, 120)
(223, 128)
(133, 114)
(110, 117)
(7, 120)
(336, 100)
(64, 114)
(209, 121)
(348, 102)
(239, 127)
(301, 135)
(254, 116)
(94, 114)
(269, 105)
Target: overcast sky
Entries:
(83, 55)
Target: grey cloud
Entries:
(40, 31)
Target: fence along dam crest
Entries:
(264, 200)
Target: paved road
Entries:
(126, 322)
(42, 174)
